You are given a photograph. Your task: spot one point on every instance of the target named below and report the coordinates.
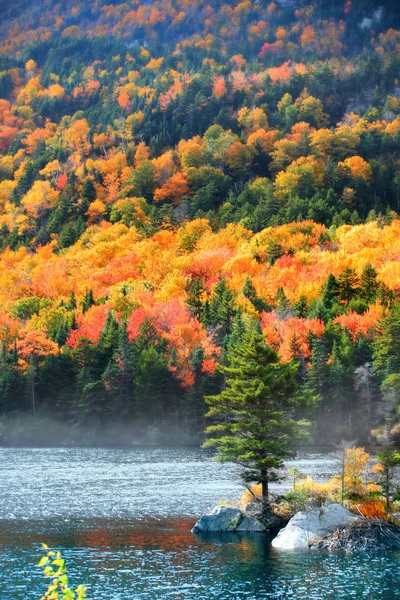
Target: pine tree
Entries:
(249, 292)
(87, 301)
(194, 289)
(71, 305)
(206, 317)
(25, 182)
(275, 251)
(238, 329)
(301, 307)
(389, 460)
(317, 376)
(330, 292)
(222, 308)
(88, 194)
(341, 377)
(257, 413)
(386, 296)
(108, 339)
(281, 301)
(347, 285)
(62, 334)
(368, 284)
(386, 346)
(119, 375)
(148, 336)
(11, 381)
(152, 380)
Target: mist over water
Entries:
(22, 431)
(122, 520)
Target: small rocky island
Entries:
(331, 527)
(224, 519)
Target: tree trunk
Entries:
(33, 392)
(265, 491)
(265, 494)
(264, 487)
(387, 490)
(343, 480)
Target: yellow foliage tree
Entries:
(357, 167)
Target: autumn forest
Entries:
(174, 174)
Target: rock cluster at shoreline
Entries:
(225, 519)
(332, 527)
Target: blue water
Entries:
(122, 520)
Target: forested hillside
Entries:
(173, 173)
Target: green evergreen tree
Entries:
(118, 377)
(275, 251)
(386, 296)
(88, 194)
(389, 461)
(249, 292)
(317, 376)
(348, 285)
(257, 414)
(87, 301)
(301, 307)
(71, 305)
(11, 382)
(281, 301)
(386, 346)
(194, 289)
(147, 337)
(69, 234)
(108, 340)
(62, 334)
(206, 316)
(341, 370)
(368, 284)
(238, 329)
(25, 182)
(386, 360)
(330, 292)
(152, 384)
(222, 308)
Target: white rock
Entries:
(221, 519)
(308, 526)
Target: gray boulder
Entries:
(227, 519)
(221, 519)
(250, 524)
(253, 509)
(305, 528)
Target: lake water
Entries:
(122, 520)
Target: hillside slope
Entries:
(173, 173)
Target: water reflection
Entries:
(161, 559)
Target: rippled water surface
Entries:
(122, 519)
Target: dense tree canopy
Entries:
(172, 173)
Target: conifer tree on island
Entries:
(257, 417)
